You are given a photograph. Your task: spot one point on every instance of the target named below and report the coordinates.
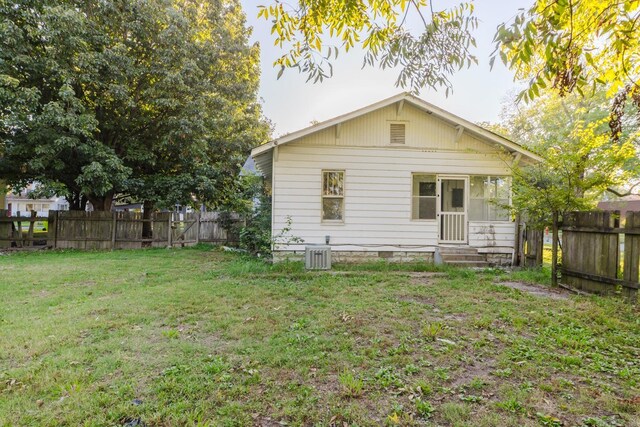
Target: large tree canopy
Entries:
(153, 99)
(315, 31)
(574, 45)
(581, 160)
(565, 44)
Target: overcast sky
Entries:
(292, 104)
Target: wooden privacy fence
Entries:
(214, 228)
(592, 251)
(117, 230)
(12, 230)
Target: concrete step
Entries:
(462, 256)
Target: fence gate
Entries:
(532, 247)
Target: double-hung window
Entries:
(424, 197)
(333, 196)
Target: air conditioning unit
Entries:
(317, 257)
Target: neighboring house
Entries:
(397, 179)
(139, 208)
(127, 207)
(23, 204)
(249, 167)
(624, 204)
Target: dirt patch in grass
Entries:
(455, 317)
(261, 421)
(42, 293)
(537, 290)
(479, 370)
(417, 299)
(326, 385)
(424, 277)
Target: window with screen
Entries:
(488, 198)
(424, 197)
(333, 196)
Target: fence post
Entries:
(19, 232)
(198, 228)
(114, 224)
(32, 225)
(516, 244)
(5, 230)
(554, 251)
(631, 270)
(51, 223)
(170, 231)
(55, 230)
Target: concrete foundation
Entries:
(359, 256)
(501, 260)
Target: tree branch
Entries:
(628, 193)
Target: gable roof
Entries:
(472, 128)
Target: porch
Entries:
(464, 208)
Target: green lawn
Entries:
(201, 337)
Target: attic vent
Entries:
(397, 133)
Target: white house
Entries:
(23, 204)
(400, 179)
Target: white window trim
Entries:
(411, 196)
(343, 197)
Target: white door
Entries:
(451, 203)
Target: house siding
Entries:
(377, 192)
(372, 130)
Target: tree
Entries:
(581, 162)
(316, 31)
(151, 99)
(561, 44)
(550, 122)
(587, 46)
(574, 45)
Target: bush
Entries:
(252, 203)
(255, 236)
